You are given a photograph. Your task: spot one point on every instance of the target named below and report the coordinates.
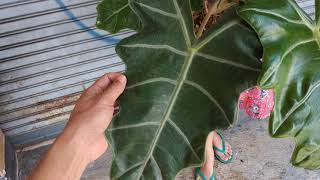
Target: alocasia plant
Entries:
(179, 88)
(291, 66)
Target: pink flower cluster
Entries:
(257, 103)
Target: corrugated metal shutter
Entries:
(50, 51)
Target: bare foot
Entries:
(218, 143)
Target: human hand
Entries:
(93, 113)
(83, 139)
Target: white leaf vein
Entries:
(205, 92)
(116, 12)
(173, 98)
(127, 170)
(152, 80)
(159, 11)
(184, 137)
(275, 67)
(308, 22)
(158, 46)
(228, 62)
(302, 101)
(216, 33)
(182, 77)
(157, 165)
(182, 23)
(134, 126)
(300, 22)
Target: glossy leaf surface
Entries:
(179, 89)
(292, 68)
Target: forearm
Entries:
(64, 161)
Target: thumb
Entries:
(114, 90)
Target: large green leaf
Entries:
(292, 68)
(179, 89)
(116, 15)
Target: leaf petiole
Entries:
(218, 7)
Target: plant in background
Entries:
(291, 66)
(180, 87)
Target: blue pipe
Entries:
(92, 32)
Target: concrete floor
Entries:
(258, 157)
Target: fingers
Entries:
(101, 84)
(115, 88)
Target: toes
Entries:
(224, 157)
(229, 148)
(229, 151)
(229, 155)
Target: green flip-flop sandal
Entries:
(223, 151)
(203, 177)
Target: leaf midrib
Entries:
(191, 52)
(173, 99)
(177, 89)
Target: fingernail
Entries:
(122, 79)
